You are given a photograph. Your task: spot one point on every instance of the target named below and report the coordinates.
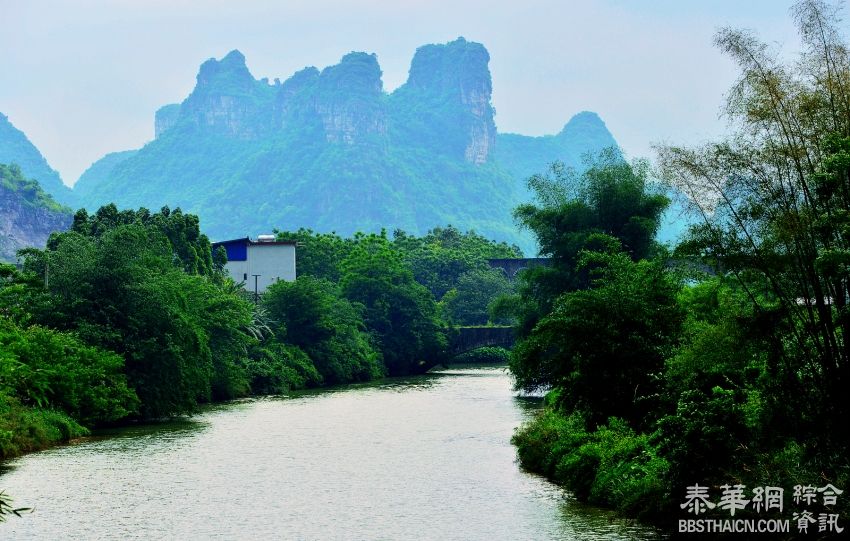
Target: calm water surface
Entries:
(422, 458)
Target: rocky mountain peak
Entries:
(356, 72)
(230, 70)
(227, 99)
(455, 79)
(15, 147)
(459, 66)
(589, 130)
(349, 99)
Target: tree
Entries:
(399, 312)
(190, 247)
(311, 313)
(50, 369)
(468, 302)
(611, 206)
(439, 258)
(604, 347)
(121, 291)
(319, 254)
(774, 201)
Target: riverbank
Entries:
(25, 429)
(612, 467)
(424, 457)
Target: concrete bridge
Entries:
(511, 266)
(469, 338)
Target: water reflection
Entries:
(427, 457)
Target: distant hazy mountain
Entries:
(98, 174)
(331, 150)
(27, 214)
(16, 148)
(523, 156)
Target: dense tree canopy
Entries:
(774, 204)
(611, 206)
(401, 313)
(311, 314)
(738, 373)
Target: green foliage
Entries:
(6, 507)
(277, 368)
(232, 325)
(148, 287)
(189, 246)
(596, 327)
(15, 148)
(611, 466)
(485, 355)
(439, 258)
(319, 254)
(469, 301)
(124, 287)
(605, 346)
(609, 207)
(31, 192)
(743, 374)
(312, 315)
(129, 314)
(705, 437)
(611, 197)
(24, 429)
(45, 368)
(400, 313)
(774, 200)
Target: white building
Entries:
(259, 263)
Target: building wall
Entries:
(238, 270)
(272, 262)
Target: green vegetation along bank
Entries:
(723, 363)
(129, 316)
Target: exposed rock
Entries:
(165, 118)
(292, 97)
(349, 99)
(228, 100)
(454, 81)
(27, 215)
(15, 147)
(332, 151)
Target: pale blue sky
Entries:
(84, 78)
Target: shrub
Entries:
(485, 355)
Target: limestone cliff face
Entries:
(445, 102)
(453, 86)
(25, 221)
(345, 102)
(292, 100)
(165, 118)
(349, 99)
(228, 100)
(330, 149)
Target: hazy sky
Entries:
(84, 78)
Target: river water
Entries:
(420, 458)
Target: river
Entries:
(421, 458)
